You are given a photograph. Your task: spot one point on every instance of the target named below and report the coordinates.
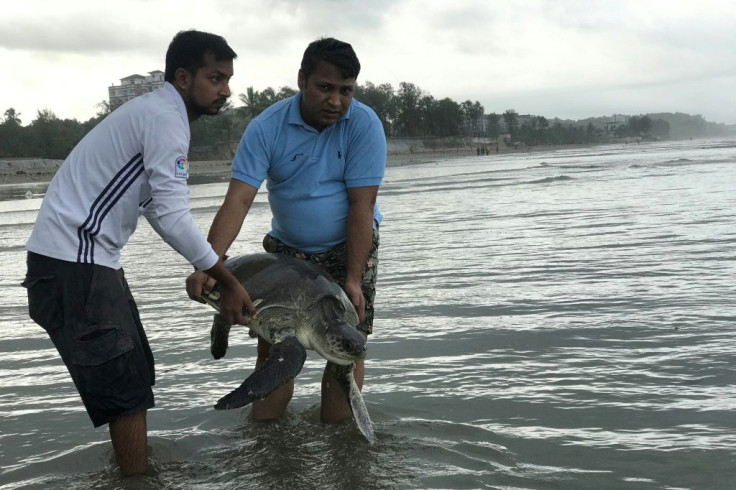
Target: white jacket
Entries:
(133, 162)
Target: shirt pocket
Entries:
(44, 307)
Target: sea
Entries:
(559, 319)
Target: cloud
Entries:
(90, 37)
(339, 16)
(499, 53)
(63, 27)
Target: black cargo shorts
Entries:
(91, 317)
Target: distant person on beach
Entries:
(323, 156)
(133, 162)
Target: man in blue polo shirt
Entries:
(323, 155)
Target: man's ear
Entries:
(301, 80)
(182, 79)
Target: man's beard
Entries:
(211, 110)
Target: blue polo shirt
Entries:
(308, 172)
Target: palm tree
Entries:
(250, 101)
(11, 117)
(256, 102)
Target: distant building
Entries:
(521, 119)
(133, 86)
(474, 127)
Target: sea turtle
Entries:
(299, 306)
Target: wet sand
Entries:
(37, 171)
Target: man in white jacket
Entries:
(133, 162)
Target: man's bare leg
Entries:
(274, 405)
(128, 434)
(335, 405)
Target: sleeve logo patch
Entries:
(182, 167)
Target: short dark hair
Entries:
(329, 49)
(188, 49)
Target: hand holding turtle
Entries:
(198, 283)
(355, 294)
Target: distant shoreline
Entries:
(18, 171)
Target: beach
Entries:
(29, 177)
(39, 170)
(400, 153)
(554, 318)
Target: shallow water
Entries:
(543, 320)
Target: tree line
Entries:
(408, 112)
(46, 136)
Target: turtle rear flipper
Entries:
(284, 363)
(346, 380)
(218, 336)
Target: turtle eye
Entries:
(332, 308)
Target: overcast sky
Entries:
(556, 58)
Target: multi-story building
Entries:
(133, 86)
(613, 126)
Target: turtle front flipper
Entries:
(346, 380)
(218, 336)
(284, 363)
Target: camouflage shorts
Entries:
(335, 262)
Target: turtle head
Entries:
(343, 343)
(336, 339)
